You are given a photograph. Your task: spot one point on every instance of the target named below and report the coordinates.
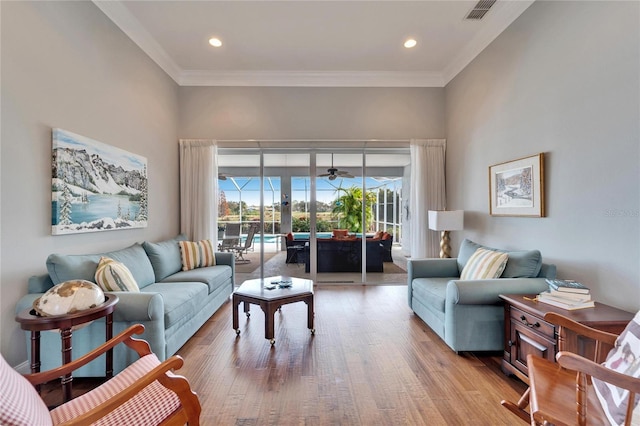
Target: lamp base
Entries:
(445, 247)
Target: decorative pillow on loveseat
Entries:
(521, 263)
(484, 264)
(623, 358)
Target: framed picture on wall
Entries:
(95, 186)
(516, 188)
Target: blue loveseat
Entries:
(172, 304)
(468, 314)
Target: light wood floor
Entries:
(371, 362)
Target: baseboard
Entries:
(23, 367)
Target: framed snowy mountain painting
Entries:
(96, 187)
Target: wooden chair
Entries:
(562, 393)
(146, 392)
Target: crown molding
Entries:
(311, 79)
(128, 23)
(500, 20)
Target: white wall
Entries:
(64, 64)
(563, 79)
(308, 113)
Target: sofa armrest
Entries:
(227, 258)
(135, 307)
(430, 268)
(39, 283)
(486, 292)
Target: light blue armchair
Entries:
(468, 314)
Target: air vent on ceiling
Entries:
(480, 9)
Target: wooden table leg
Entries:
(234, 306)
(65, 335)
(35, 354)
(310, 313)
(109, 336)
(269, 312)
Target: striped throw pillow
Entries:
(112, 275)
(484, 264)
(197, 254)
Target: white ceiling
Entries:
(311, 43)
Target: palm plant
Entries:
(348, 207)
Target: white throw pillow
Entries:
(484, 264)
(112, 275)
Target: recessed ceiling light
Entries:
(410, 43)
(215, 42)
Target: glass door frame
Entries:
(313, 175)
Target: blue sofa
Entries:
(172, 304)
(468, 314)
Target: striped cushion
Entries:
(112, 275)
(484, 264)
(20, 404)
(149, 407)
(207, 257)
(197, 254)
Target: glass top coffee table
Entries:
(270, 294)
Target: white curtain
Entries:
(427, 193)
(198, 188)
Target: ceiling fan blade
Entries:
(324, 175)
(222, 177)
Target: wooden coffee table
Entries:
(270, 294)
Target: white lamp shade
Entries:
(442, 220)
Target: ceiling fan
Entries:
(333, 173)
(224, 176)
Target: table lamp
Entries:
(445, 221)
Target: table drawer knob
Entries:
(528, 324)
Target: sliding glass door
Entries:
(333, 216)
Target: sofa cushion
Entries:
(521, 264)
(213, 276)
(112, 275)
(164, 256)
(431, 291)
(66, 267)
(181, 300)
(484, 264)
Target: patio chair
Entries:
(240, 249)
(231, 236)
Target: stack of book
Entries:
(567, 294)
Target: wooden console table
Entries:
(65, 323)
(526, 332)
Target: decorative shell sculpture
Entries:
(69, 297)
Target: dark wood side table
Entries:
(65, 323)
(526, 332)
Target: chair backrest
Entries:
(232, 229)
(251, 233)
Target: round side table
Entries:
(35, 324)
